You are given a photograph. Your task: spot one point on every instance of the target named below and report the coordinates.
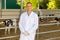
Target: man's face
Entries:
(29, 7)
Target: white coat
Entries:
(29, 24)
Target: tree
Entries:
(18, 2)
(58, 4)
(43, 4)
(52, 4)
(34, 3)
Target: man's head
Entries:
(29, 6)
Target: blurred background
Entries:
(48, 12)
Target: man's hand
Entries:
(26, 33)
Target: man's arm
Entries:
(21, 24)
(21, 27)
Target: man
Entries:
(28, 23)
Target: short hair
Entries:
(29, 3)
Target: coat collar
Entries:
(30, 14)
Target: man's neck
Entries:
(29, 12)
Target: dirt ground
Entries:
(38, 36)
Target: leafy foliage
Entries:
(51, 4)
(34, 3)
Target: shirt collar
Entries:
(30, 14)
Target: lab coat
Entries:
(29, 24)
